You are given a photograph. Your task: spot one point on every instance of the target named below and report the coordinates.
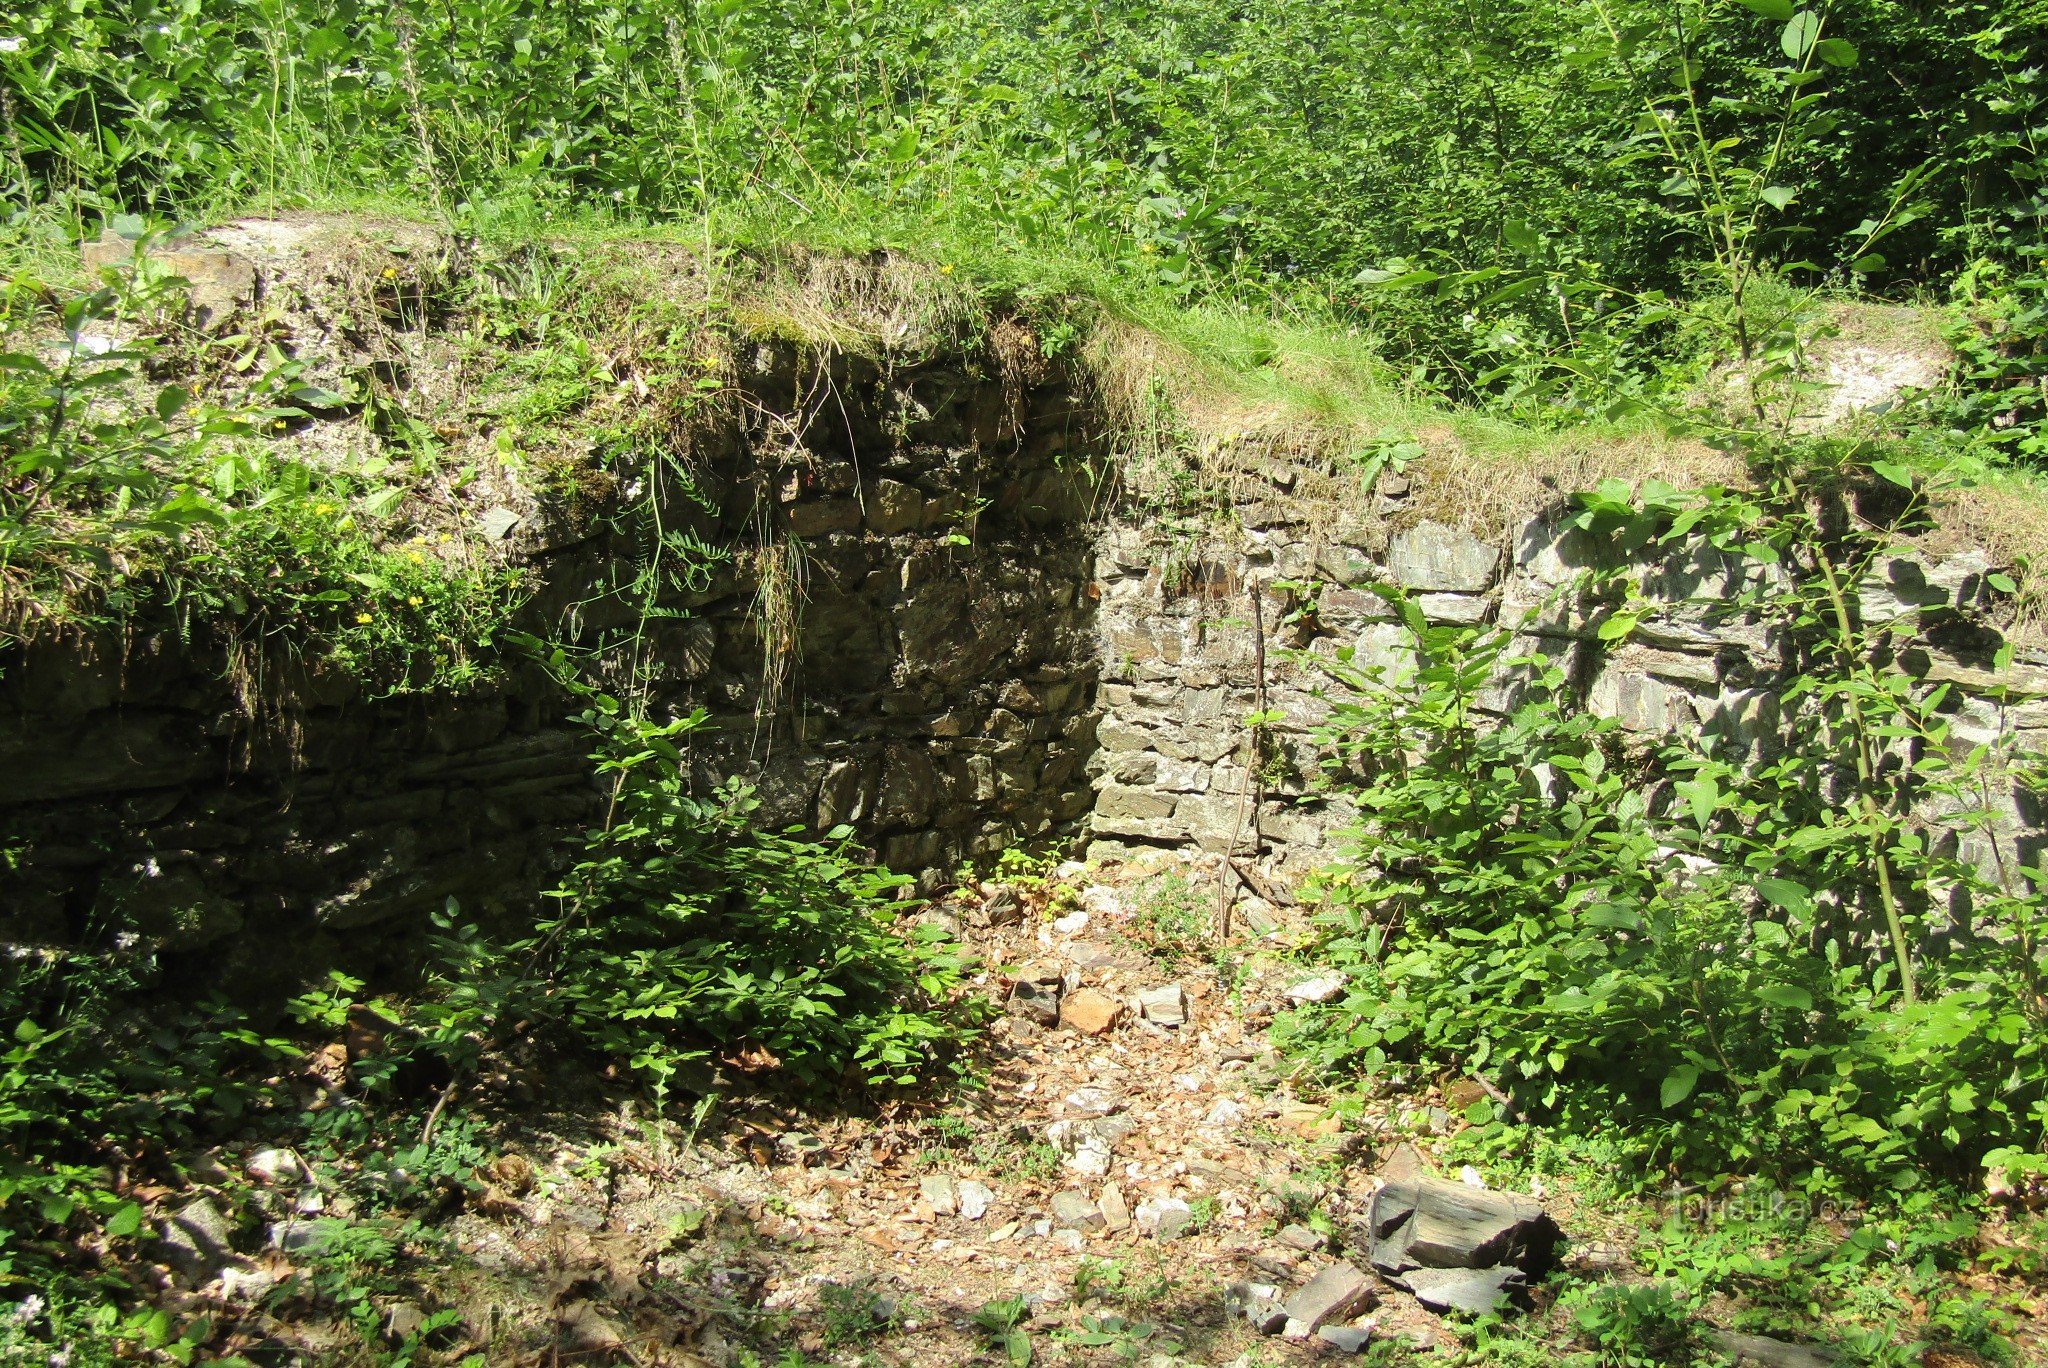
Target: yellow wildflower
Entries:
(391, 273)
(364, 618)
(415, 600)
(947, 269)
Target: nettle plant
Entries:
(1802, 945)
(685, 932)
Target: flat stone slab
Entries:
(1337, 1293)
(1167, 1006)
(1474, 1291)
(1760, 1351)
(1076, 1210)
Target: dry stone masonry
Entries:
(930, 617)
(1181, 659)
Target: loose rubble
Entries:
(1134, 1120)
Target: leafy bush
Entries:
(1704, 950)
(685, 930)
(684, 923)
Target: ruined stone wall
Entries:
(1180, 658)
(916, 605)
(927, 679)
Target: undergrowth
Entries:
(136, 499)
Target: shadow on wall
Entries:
(898, 636)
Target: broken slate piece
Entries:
(1760, 1351)
(1166, 1006)
(1431, 1223)
(1258, 1303)
(1075, 1210)
(1475, 1291)
(1116, 1214)
(1299, 1237)
(1003, 907)
(1035, 1002)
(1337, 1293)
(1345, 1339)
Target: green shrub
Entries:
(685, 930)
(1682, 945)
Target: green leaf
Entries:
(1778, 196)
(170, 401)
(1894, 472)
(1836, 52)
(1702, 796)
(1786, 995)
(126, 1221)
(1780, 10)
(1787, 895)
(1619, 626)
(383, 501)
(1799, 35)
(1678, 1085)
(2002, 583)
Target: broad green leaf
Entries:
(1678, 1085)
(125, 1221)
(1836, 52)
(1786, 894)
(1786, 995)
(1799, 35)
(1777, 196)
(1780, 10)
(383, 501)
(1702, 795)
(1894, 472)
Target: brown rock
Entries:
(1462, 1093)
(1089, 1012)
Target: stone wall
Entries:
(139, 793)
(1180, 659)
(927, 680)
(928, 616)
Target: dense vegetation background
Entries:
(1271, 149)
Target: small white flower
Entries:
(10, 44)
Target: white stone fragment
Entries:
(1321, 988)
